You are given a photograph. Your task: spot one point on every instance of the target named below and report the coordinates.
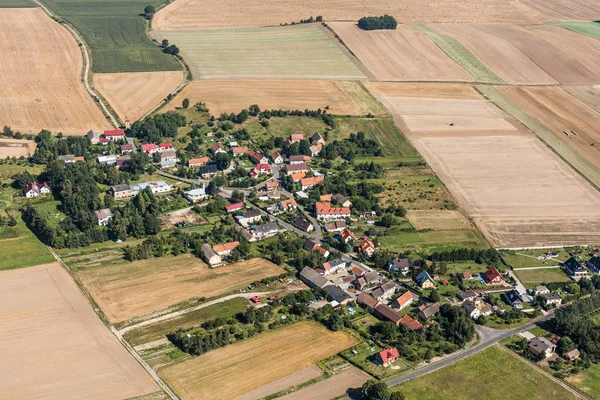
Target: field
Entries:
(501, 56)
(492, 375)
(41, 87)
(560, 10)
(590, 95)
(586, 28)
(126, 290)
(546, 275)
(54, 346)
(331, 388)
(132, 95)
(116, 34)
(404, 54)
(437, 220)
(557, 111)
(588, 380)
(16, 148)
(342, 97)
(297, 378)
(224, 373)
(292, 51)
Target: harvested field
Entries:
(127, 290)
(40, 76)
(203, 14)
(590, 95)
(331, 388)
(133, 94)
(558, 112)
(437, 220)
(297, 378)
(553, 10)
(404, 54)
(587, 27)
(223, 373)
(342, 97)
(55, 347)
(501, 56)
(16, 148)
(301, 51)
(423, 90)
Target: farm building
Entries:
(428, 312)
(313, 279)
(210, 256)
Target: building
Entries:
(540, 290)
(552, 299)
(428, 312)
(67, 159)
(321, 250)
(366, 300)
(239, 150)
(296, 137)
(386, 313)
(297, 176)
(471, 309)
(276, 158)
(94, 136)
(572, 355)
(291, 169)
(126, 148)
(149, 148)
(217, 148)
(168, 155)
(121, 192)
(299, 159)
(226, 248)
(114, 134)
(325, 212)
(425, 281)
(198, 162)
(157, 187)
(249, 217)
(341, 200)
(286, 205)
(123, 162)
(210, 256)
(493, 277)
(164, 147)
(575, 270)
(367, 279)
(313, 279)
(337, 294)
(539, 345)
(399, 265)
(310, 183)
(367, 247)
(107, 160)
(272, 186)
(594, 263)
(468, 295)
(194, 195)
(388, 356)
(331, 267)
(208, 171)
(335, 226)
(257, 158)
(234, 207)
(514, 299)
(265, 230)
(385, 291)
(405, 300)
(36, 189)
(260, 170)
(103, 217)
(411, 323)
(303, 225)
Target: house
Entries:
(162, 147)
(336, 226)
(226, 248)
(386, 313)
(337, 294)
(539, 345)
(303, 225)
(114, 134)
(234, 207)
(332, 267)
(385, 291)
(313, 279)
(310, 183)
(207, 171)
(317, 138)
(210, 256)
(399, 265)
(296, 168)
(388, 356)
(341, 200)
(168, 155)
(594, 263)
(198, 162)
(552, 298)
(194, 195)
(321, 250)
(468, 295)
(149, 148)
(276, 158)
(36, 189)
(107, 160)
(315, 149)
(369, 302)
(572, 355)
(325, 212)
(428, 312)
(239, 150)
(411, 323)
(80, 159)
(157, 187)
(298, 159)
(425, 281)
(471, 309)
(297, 176)
(514, 299)
(103, 141)
(67, 159)
(363, 281)
(255, 299)
(367, 247)
(540, 290)
(260, 170)
(94, 136)
(405, 300)
(103, 217)
(347, 235)
(265, 230)
(249, 217)
(217, 148)
(575, 270)
(296, 137)
(126, 148)
(357, 271)
(120, 192)
(493, 277)
(257, 158)
(311, 244)
(272, 186)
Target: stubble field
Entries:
(16, 148)
(126, 290)
(239, 368)
(55, 347)
(40, 76)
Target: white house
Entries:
(195, 195)
(103, 217)
(36, 189)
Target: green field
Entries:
(17, 3)
(588, 381)
(303, 50)
(534, 276)
(456, 51)
(116, 34)
(527, 258)
(492, 374)
(20, 248)
(589, 28)
(398, 240)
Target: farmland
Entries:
(126, 290)
(586, 28)
(20, 248)
(477, 377)
(403, 54)
(16, 148)
(293, 51)
(559, 10)
(333, 387)
(41, 87)
(223, 373)
(437, 219)
(590, 95)
(116, 34)
(40, 307)
(132, 95)
(342, 97)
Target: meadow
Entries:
(546, 275)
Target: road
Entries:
(519, 286)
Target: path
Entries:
(519, 286)
(86, 70)
(544, 267)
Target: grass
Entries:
(590, 28)
(398, 240)
(17, 4)
(527, 258)
(456, 51)
(542, 275)
(303, 50)
(365, 357)
(116, 34)
(160, 329)
(588, 380)
(26, 251)
(492, 374)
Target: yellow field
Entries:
(437, 220)
(16, 148)
(40, 76)
(239, 368)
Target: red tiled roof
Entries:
(114, 132)
(234, 206)
(365, 244)
(405, 298)
(165, 146)
(492, 273)
(389, 355)
(200, 160)
(411, 323)
(225, 247)
(326, 208)
(239, 149)
(311, 181)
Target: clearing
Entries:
(41, 76)
(304, 51)
(223, 373)
(477, 377)
(588, 380)
(403, 54)
(342, 97)
(133, 94)
(437, 220)
(331, 388)
(55, 347)
(16, 148)
(126, 290)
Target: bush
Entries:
(373, 23)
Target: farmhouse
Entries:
(325, 212)
(332, 267)
(313, 279)
(114, 134)
(198, 162)
(424, 280)
(539, 345)
(195, 195)
(67, 159)
(217, 148)
(310, 183)
(304, 225)
(239, 150)
(575, 270)
(384, 312)
(149, 148)
(385, 291)
(388, 356)
(94, 136)
(103, 217)
(594, 264)
(428, 312)
(405, 300)
(210, 256)
(121, 192)
(291, 169)
(493, 277)
(276, 158)
(36, 189)
(367, 247)
(126, 148)
(226, 248)
(335, 293)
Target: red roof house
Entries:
(493, 277)
(388, 356)
(234, 207)
(114, 133)
(411, 323)
(149, 148)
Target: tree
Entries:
(171, 49)
(396, 396)
(237, 196)
(185, 103)
(373, 390)
(164, 43)
(565, 345)
(22, 179)
(222, 161)
(434, 296)
(149, 11)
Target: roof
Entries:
(272, 184)
(215, 147)
(572, 354)
(367, 299)
(239, 149)
(120, 188)
(423, 276)
(198, 160)
(387, 313)
(127, 146)
(266, 228)
(430, 311)
(297, 167)
(165, 146)
(296, 136)
(573, 265)
(411, 323)
(114, 132)
(407, 297)
(492, 274)
(366, 244)
(68, 157)
(225, 246)
(300, 157)
(595, 262)
(208, 251)
(302, 223)
(372, 276)
(326, 208)
(513, 296)
(297, 176)
(321, 250)
(252, 214)
(336, 293)
(325, 197)
(388, 355)
(357, 271)
(467, 294)
(552, 296)
(149, 146)
(400, 263)
(310, 275)
(275, 155)
(541, 344)
(208, 169)
(104, 213)
(234, 206)
(316, 136)
(340, 198)
(315, 180)
(288, 203)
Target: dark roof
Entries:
(423, 276)
(336, 293)
(552, 296)
(120, 188)
(572, 265)
(513, 296)
(209, 169)
(310, 275)
(302, 224)
(372, 276)
(594, 263)
(430, 311)
(386, 312)
(400, 263)
(251, 214)
(466, 295)
(266, 228)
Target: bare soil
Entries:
(16, 148)
(333, 387)
(298, 377)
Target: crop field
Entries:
(333, 387)
(566, 124)
(586, 28)
(116, 34)
(291, 51)
(477, 377)
(545, 275)
(17, 3)
(21, 248)
(54, 346)
(126, 290)
(501, 56)
(590, 95)
(41, 87)
(133, 94)
(404, 54)
(297, 378)
(437, 220)
(16, 148)
(342, 97)
(554, 10)
(224, 373)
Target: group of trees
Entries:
(487, 256)
(49, 148)
(9, 133)
(356, 145)
(373, 23)
(157, 127)
(374, 390)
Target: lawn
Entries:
(21, 248)
(116, 34)
(588, 380)
(590, 28)
(284, 127)
(546, 275)
(492, 374)
(291, 51)
(527, 258)
(398, 240)
(365, 360)
(456, 51)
